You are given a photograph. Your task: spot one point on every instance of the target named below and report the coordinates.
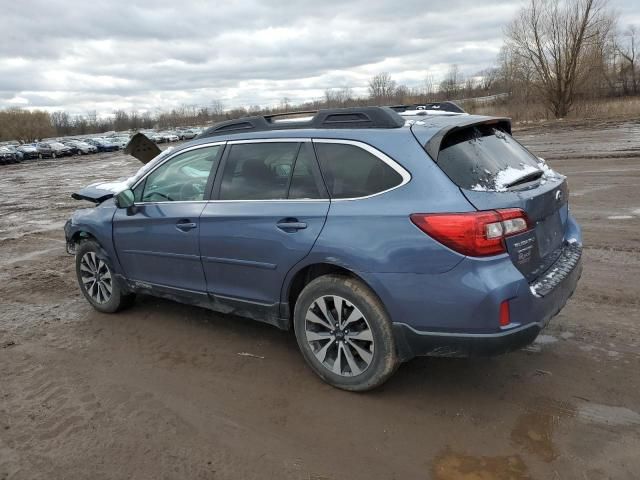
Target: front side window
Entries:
(183, 178)
(351, 172)
(258, 171)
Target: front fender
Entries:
(96, 222)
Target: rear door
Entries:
(270, 206)
(494, 171)
(157, 240)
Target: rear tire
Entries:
(344, 333)
(97, 281)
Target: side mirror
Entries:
(125, 199)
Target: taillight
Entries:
(476, 234)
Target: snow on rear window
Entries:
(483, 158)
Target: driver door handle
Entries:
(186, 225)
(291, 225)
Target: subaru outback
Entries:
(377, 234)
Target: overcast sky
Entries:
(83, 55)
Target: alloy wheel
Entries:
(339, 335)
(96, 277)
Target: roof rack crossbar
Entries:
(355, 117)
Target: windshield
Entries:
(484, 158)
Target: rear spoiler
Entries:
(435, 142)
(142, 147)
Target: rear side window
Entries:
(350, 171)
(258, 171)
(485, 158)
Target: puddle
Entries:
(534, 429)
(534, 432)
(455, 466)
(608, 415)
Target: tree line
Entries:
(556, 54)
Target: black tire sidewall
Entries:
(385, 359)
(119, 298)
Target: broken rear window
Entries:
(484, 158)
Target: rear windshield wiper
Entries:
(529, 177)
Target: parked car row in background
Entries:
(108, 142)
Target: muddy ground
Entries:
(163, 390)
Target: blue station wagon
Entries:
(376, 233)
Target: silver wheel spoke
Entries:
(366, 355)
(341, 351)
(318, 336)
(322, 353)
(312, 317)
(322, 304)
(337, 303)
(355, 369)
(337, 364)
(354, 316)
(364, 335)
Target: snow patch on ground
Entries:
(620, 217)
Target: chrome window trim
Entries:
(169, 157)
(406, 176)
(271, 140)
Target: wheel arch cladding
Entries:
(305, 275)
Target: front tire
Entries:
(97, 281)
(344, 333)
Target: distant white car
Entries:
(169, 137)
(120, 141)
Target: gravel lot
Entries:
(162, 391)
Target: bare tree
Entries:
(382, 88)
(24, 125)
(627, 48)
(555, 36)
(451, 84)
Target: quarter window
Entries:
(258, 171)
(350, 171)
(183, 178)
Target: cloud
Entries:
(80, 56)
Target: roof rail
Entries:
(441, 106)
(354, 117)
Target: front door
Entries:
(270, 206)
(157, 240)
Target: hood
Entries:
(101, 191)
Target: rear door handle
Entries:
(186, 225)
(291, 225)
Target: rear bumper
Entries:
(530, 313)
(413, 343)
